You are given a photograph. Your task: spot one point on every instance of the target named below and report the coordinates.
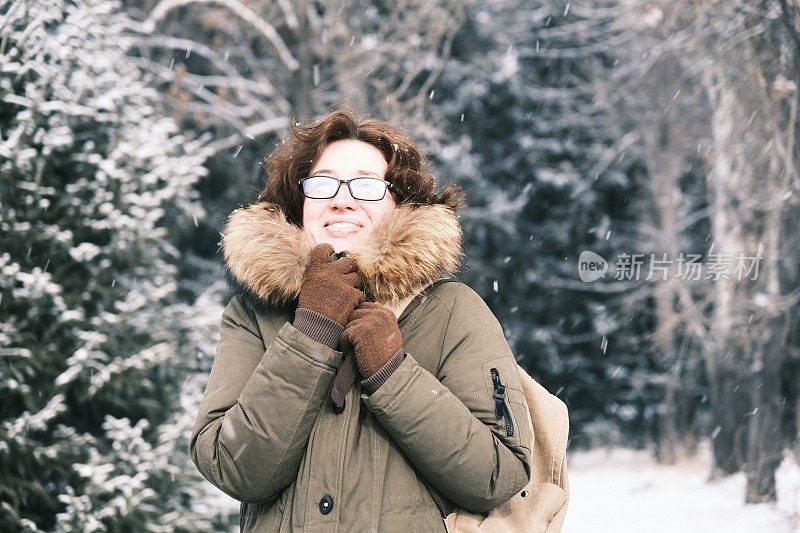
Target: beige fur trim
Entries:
(412, 247)
(265, 253)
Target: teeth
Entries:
(342, 225)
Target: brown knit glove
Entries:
(328, 295)
(374, 335)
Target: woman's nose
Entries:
(343, 199)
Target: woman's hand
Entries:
(373, 333)
(328, 295)
(330, 288)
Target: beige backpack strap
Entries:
(550, 423)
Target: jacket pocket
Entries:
(509, 408)
(521, 415)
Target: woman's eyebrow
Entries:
(359, 172)
(324, 171)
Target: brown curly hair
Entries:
(294, 158)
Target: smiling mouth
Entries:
(341, 229)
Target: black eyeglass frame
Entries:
(346, 182)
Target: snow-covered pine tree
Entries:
(95, 188)
(533, 153)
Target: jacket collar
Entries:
(265, 256)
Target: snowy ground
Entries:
(626, 491)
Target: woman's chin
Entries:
(348, 246)
(344, 244)
(341, 243)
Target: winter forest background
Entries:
(660, 136)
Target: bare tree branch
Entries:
(250, 132)
(239, 9)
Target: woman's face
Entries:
(343, 221)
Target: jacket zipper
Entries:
(500, 408)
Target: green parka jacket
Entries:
(267, 434)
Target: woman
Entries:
(351, 391)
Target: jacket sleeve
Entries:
(448, 425)
(259, 406)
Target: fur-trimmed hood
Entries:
(265, 256)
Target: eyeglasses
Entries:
(361, 188)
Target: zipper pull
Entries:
(499, 395)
